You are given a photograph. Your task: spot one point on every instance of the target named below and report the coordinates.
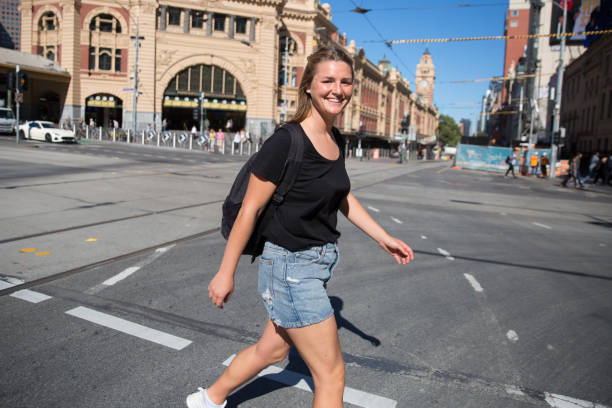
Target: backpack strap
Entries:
(292, 165)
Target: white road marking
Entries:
(24, 294)
(512, 389)
(423, 237)
(374, 209)
(541, 225)
(303, 382)
(125, 326)
(561, 401)
(121, 276)
(396, 220)
(512, 336)
(473, 282)
(443, 252)
(127, 272)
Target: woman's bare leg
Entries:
(319, 347)
(272, 347)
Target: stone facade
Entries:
(242, 59)
(586, 104)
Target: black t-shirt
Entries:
(308, 215)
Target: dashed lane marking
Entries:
(473, 282)
(397, 221)
(303, 382)
(446, 254)
(541, 225)
(374, 209)
(25, 294)
(561, 401)
(125, 326)
(129, 271)
(27, 250)
(423, 237)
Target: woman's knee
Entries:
(272, 354)
(331, 377)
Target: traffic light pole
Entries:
(17, 104)
(557, 110)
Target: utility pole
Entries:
(557, 110)
(135, 91)
(286, 78)
(17, 97)
(520, 113)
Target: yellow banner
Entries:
(100, 103)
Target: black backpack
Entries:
(233, 202)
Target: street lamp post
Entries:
(557, 109)
(135, 91)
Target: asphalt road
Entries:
(507, 304)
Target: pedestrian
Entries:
(573, 172)
(600, 170)
(510, 160)
(608, 171)
(592, 167)
(534, 163)
(164, 124)
(220, 139)
(578, 172)
(92, 124)
(194, 132)
(236, 142)
(544, 162)
(300, 253)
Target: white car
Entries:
(46, 131)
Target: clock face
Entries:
(423, 83)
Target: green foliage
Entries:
(449, 134)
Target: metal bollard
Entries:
(158, 139)
(241, 144)
(100, 133)
(87, 132)
(114, 135)
(174, 140)
(250, 148)
(128, 136)
(191, 142)
(143, 135)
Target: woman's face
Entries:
(331, 87)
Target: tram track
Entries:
(76, 227)
(74, 271)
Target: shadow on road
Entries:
(296, 370)
(525, 266)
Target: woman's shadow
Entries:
(296, 372)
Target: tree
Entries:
(449, 133)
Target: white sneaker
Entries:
(200, 400)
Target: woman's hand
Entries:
(398, 249)
(220, 288)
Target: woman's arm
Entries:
(355, 213)
(259, 192)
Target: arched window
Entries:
(48, 22)
(50, 54)
(105, 23)
(103, 56)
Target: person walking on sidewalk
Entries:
(300, 252)
(573, 172)
(510, 162)
(534, 161)
(544, 162)
(593, 167)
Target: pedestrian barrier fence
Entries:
(172, 139)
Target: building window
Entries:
(104, 56)
(197, 19)
(174, 16)
(48, 22)
(50, 54)
(514, 13)
(241, 23)
(514, 23)
(105, 23)
(219, 20)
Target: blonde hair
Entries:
(322, 54)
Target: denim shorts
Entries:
(293, 284)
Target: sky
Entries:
(417, 19)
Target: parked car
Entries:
(7, 121)
(46, 131)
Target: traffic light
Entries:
(10, 80)
(361, 132)
(405, 124)
(22, 81)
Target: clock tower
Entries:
(425, 76)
